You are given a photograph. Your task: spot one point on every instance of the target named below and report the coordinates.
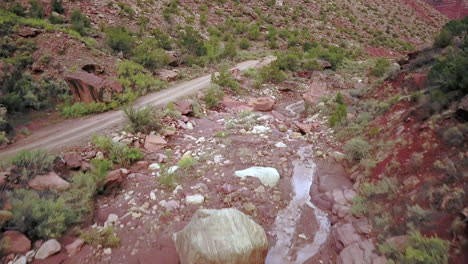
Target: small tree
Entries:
(120, 39)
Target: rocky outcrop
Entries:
(453, 9)
(50, 181)
(263, 104)
(15, 242)
(221, 236)
(87, 87)
(73, 160)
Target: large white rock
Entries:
(49, 248)
(268, 176)
(221, 236)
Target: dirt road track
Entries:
(70, 133)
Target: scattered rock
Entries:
(28, 32)
(221, 236)
(346, 234)
(154, 143)
(49, 248)
(338, 156)
(357, 253)
(411, 181)
(288, 86)
(74, 247)
(268, 176)
(304, 128)
(50, 181)
(194, 199)
(171, 205)
(73, 160)
(107, 251)
(263, 104)
(15, 242)
(280, 145)
(154, 166)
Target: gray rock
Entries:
(221, 236)
(49, 248)
(21, 260)
(346, 234)
(268, 176)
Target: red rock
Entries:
(316, 90)
(184, 107)
(50, 181)
(288, 86)
(73, 160)
(113, 180)
(15, 242)
(324, 64)
(88, 88)
(278, 115)
(27, 32)
(416, 82)
(304, 128)
(154, 143)
(74, 247)
(167, 75)
(263, 104)
(236, 74)
(235, 105)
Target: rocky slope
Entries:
(453, 9)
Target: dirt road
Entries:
(73, 132)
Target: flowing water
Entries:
(287, 219)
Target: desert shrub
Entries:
(332, 54)
(105, 237)
(244, 44)
(80, 23)
(338, 117)
(421, 249)
(186, 162)
(57, 6)
(85, 186)
(289, 61)
(170, 9)
(56, 19)
(40, 217)
(36, 10)
(230, 50)
(448, 79)
(357, 149)
(82, 109)
(453, 136)
(120, 39)
(225, 79)
(272, 73)
(17, 9)
(359, 206)
(254, 32)
(380, 67)
(443, 39)
(133, 76)
(163, 40)
(150, 55)
(192, 42)
(213, 96)
(144, 119)
(117, 152)
(31, 163)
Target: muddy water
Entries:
(286, 250)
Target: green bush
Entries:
(380, 67)
(289, 61)
(225, 79)
(230, 50)
(357, 149)
(192, 42)
(213, 96)
(55, 19)
(117, 152)
(244, 44)
(187, 162)
(254, 32)
(40, 217)
(272, 73)
(338, 117)
(120, 39)
(31, 163)
(144, 119)
(36, 10)
(82, 109)
(171, 8)
(162, 39)
(17, 9)
(453, 136)
(150, 55)
(80, 23)
(104, 237)
(444, 39)
(133, 76)
(57, 6)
